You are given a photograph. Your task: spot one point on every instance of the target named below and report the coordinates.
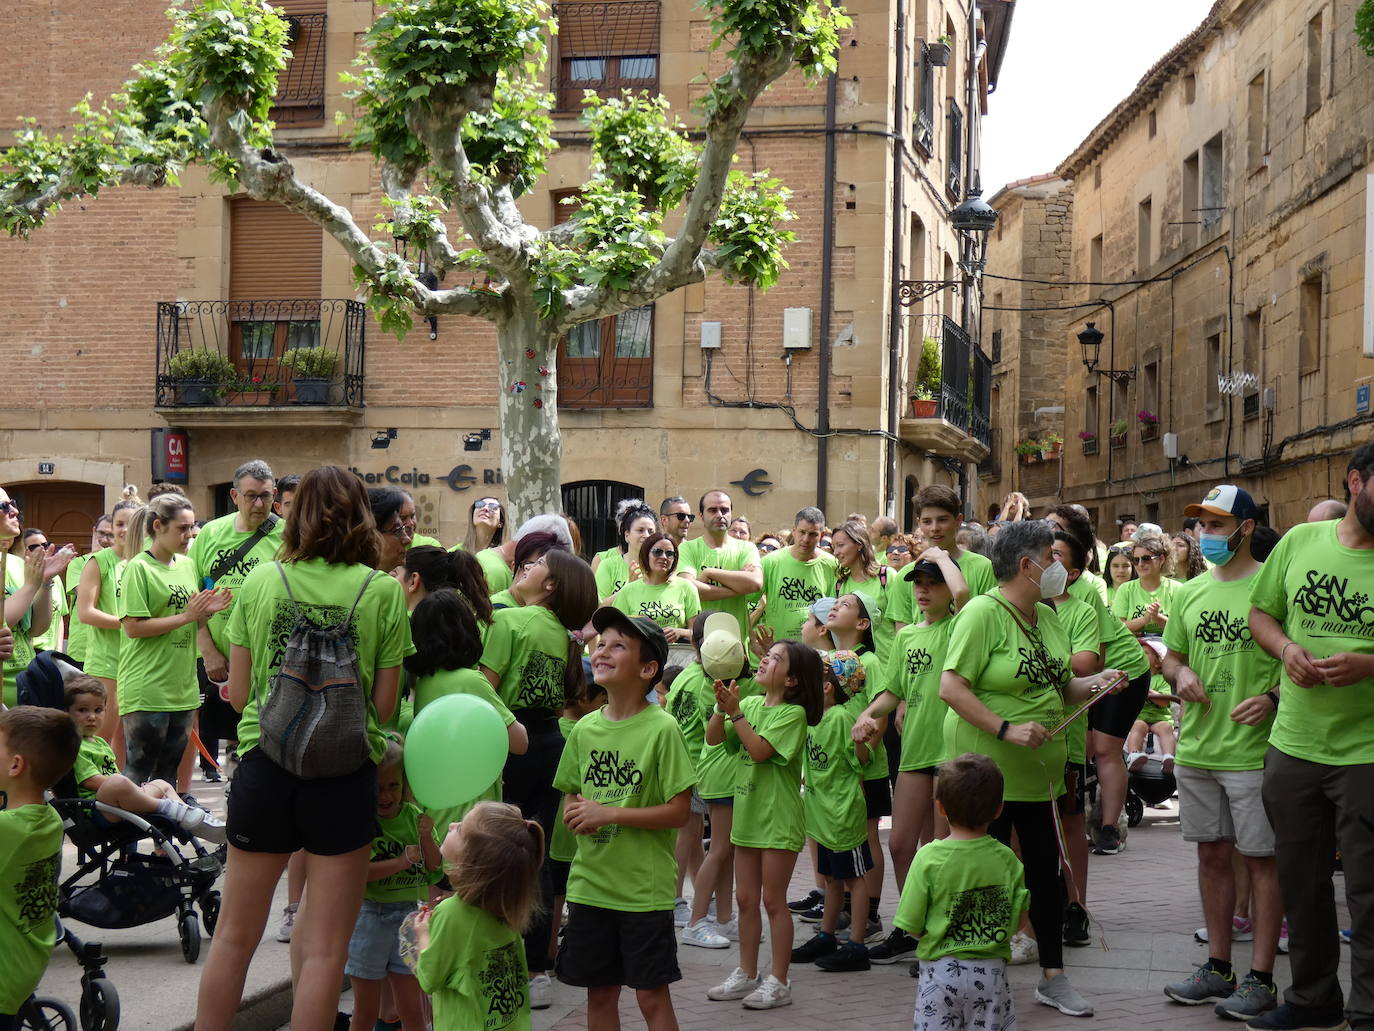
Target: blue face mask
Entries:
(1216, 547)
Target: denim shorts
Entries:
(374, 950)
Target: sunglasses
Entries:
(34, 546)
(1140, 559)
(661, 553)
(489, 503)
(902, 550)
(9, 508)
(766, 548)
(685, 516)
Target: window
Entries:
(1190, 216)
(1314, 64)
(952, 292)
(924, 135)
(1214, 370)
(1213, 184)
(605, 47)
(606, 363)
(954, 181)
(996, 346)
(299, 102)
(1095, 259)
(1189, 88)
(274, 285)
(1090, 410)
(1153, 124)
(1251, 345)
(1144, 228)
(1256, 124)
(1310, 342)
(1149, 388)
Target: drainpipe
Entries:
(894, 307)
(827, 297)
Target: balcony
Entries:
(961, 426)
(604, 46)
(261, 362)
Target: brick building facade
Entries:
(99, 300)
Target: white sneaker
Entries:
(541, 992)
(1136, 760)
(770, 994)
(1024, 949)
(1166, 762)
(682, 912)
(703, 935)
(728, 930)
(288, 923)
(736, 986)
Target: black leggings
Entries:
(1034, 826)
(528, 783)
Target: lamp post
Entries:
(424, 274)
(1090, 340)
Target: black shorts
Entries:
(558, 873)
(1116, 714)
(877, 798)
(271, 810)
(849, 865)
(1072, 802)
(602, 948)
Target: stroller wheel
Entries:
(99, 1006)
(209, 911)
(189, 928)
(45, 1015)
(1135, 809)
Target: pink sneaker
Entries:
(1242, 930)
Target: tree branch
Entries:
(36, 203)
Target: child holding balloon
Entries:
(405, 861)
(471, 955)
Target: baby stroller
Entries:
(117, 882)
(1149, 784)
(99, 1000)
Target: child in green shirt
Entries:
(405, 861)
(963, 899)
(1155, 716)
(471, 956)
(37, 748)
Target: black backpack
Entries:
(314, 721)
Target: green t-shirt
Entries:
(1151, 713)
(217, 541)
(158, 674)
(30, 857)
(874, 682)
(634, 763)
(102, 645)
(420, 540)
(1018, 672)
(23, 644)
(918, 659)
(977, 570)
(76, 630)
(1089, 582)
(963, 898)
(1211, 630)
(1132, 600)
(263, 618)
(693, 698)
(768, 804)
(612, 572)
(671, 604)
(875, 590)
(412, 883)
(498, 574)
(50, 638)
(528, 649)
(474, 971)
(1083, 626)
(834, 802)
(698, 556)
(95, 759)
(791, 587)
(562, 842)
(504, 600)
(1320, 591)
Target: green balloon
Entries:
(455, 750)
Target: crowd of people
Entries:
(684, 716)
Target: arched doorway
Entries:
(64, 510)
(592, 504)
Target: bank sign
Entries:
(459, 478)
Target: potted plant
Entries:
(254, 390)
(1118, 433)
(312, 371)
(1053, 444)
(938, 53)
(1089, 439)
(1149, 424)
(925, 399)
(1030, 450)
(200, 375)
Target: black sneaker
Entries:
(1108, 841)
(850, 957)
(821, 944)
(1288, 1017)
(896, 947)
(813, 899)
(1076, 931)
(812, 915)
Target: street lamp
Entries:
(1090, 339)
(974, 219)
(424, 274)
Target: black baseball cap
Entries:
(636, 626)
(930, 569)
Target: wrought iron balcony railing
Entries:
(300, 87)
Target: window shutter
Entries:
(273, 253)
(609, 29)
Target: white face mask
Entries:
(1054, 579)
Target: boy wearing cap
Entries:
(628, 786)
(1229, 690)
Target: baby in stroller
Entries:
(1155, 718)
(97, 773)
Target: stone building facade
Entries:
(1221, 243)
(98, 301)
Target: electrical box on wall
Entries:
(1170, 442)
(796, 328)
(710, 336)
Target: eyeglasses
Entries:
(490, 503)
(400, 532)
(684, 516)
(1137, 560)
(34, 545)
(9, 508)
(661, 553)
(258, 499)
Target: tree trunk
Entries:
(531, 445)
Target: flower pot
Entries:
(938, 54)
(254, 398)
(1031, 458)
(1090, 446)
(197, 392)
(1149, 431)
(1118, 440)
(924, 409)
(312, 390)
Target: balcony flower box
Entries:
(1149, 424)
(938, 53)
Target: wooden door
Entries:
(63, 510)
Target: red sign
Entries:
(171, 455)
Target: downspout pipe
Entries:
(894, 306)
(827, 297)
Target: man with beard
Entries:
(1312, 611)
(725, 571)
(795, 576)
(675, 519)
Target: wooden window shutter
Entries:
(608, 29)
(273, 253)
